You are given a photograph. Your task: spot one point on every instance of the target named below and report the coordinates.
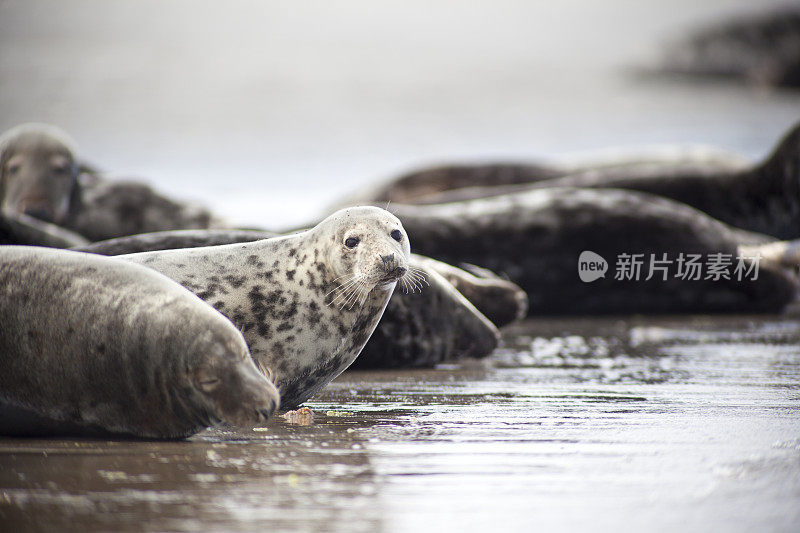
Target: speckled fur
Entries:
(281, 293)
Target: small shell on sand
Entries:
(302, 417)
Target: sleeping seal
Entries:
(96, 346)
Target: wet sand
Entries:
(640, 424)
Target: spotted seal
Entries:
(419, 327)
(500, 300)
(536, 238)
(306, 303)
(94, 346)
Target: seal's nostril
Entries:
(387, 258)
(265, 413)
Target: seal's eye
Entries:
(208, 385)
(396, 235)
(351, 242)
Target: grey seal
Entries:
(458, 181)
(500, 300)
(306, 303)
(96, 346)
(41, 176)
(536, 238)
(762, 197)
(419, 327)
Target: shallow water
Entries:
(657, 424)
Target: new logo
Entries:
(591, 266)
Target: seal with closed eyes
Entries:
(94, 346)
(306, 303)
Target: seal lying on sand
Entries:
(500, 300)
(419, 327)
(537, 237)
(763, 198)
(306, 303)
(463, 181)
(92, 346)
(40, 177)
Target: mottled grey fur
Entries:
(93, 345)
(284, 295)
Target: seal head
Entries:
(38, 173)
(369, 250)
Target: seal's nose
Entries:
(387, 258)
(40, 209)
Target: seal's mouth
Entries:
(393, 275)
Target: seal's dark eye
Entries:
(396, 235)
(351, 242)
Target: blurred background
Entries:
(270, 111)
